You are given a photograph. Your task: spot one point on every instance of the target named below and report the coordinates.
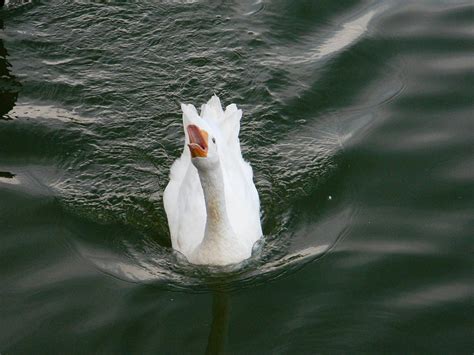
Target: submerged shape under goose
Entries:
(211, 202)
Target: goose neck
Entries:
(217, 222)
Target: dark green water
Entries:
(358, 122)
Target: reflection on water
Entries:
(9, 85)
(220, 324)
(350, 32)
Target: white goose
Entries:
(211, 202)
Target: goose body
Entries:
(211, 202)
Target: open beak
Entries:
(197, 141)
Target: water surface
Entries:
(358, 123)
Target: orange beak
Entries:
(197, 141)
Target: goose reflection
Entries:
(220, 323)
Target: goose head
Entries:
(203, 147)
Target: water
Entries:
(358, 122)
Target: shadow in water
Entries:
(9, 85)
(6, 175)
(220, 323)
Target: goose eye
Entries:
(214, 140)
